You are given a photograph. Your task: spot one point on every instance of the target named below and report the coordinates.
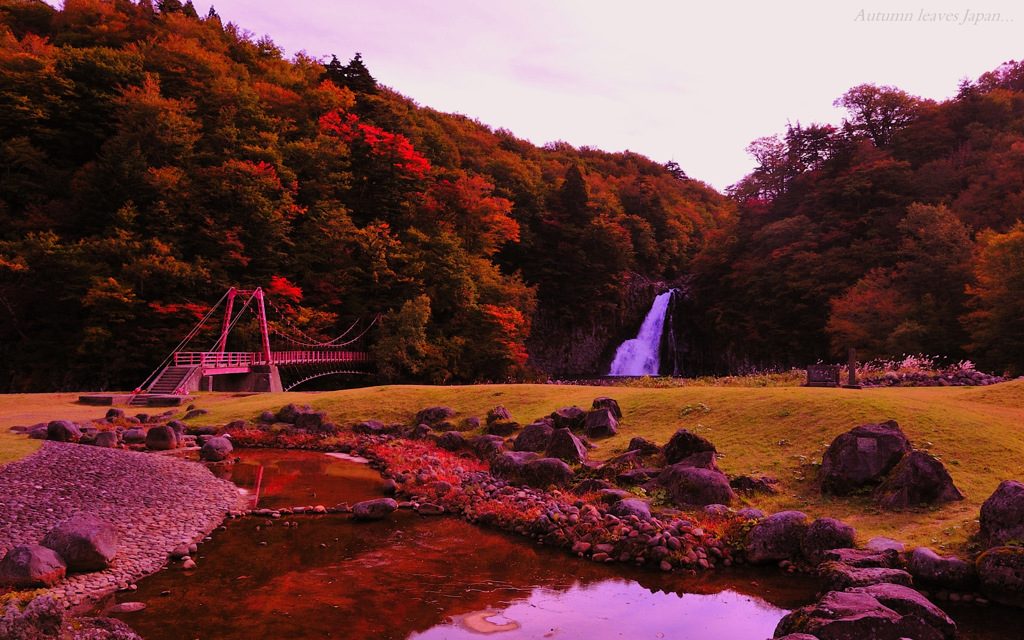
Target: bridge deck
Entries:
(239, 361)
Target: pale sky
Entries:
(669, 79)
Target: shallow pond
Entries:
(427, 577)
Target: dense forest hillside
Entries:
(151, 158)
(897, 233)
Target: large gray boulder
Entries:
(918, 479)
(601, 423)
(825, 534)
(690, 486)
(288, 413)
(565, 446)
(571, 418)
(534, 437)
(608, 403)
(862, 457)
(631, 507)
(451, 440)
(63, 431)
(543, 473)
(374, 509)
(161, 438)
(1002, 514)
(85, 542)
(1001, 575)
(311, 421)
(777, 537)
(908, 602)
(135, 435)
(509, 465)
(106, 439)
(949, 572)
(434, 416)
(216, 449)
(855, 616)
(684, 444)
(31, 566)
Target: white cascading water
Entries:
(639, 356)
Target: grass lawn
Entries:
(978, 433)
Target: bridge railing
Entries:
(233, 359)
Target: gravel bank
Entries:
(156, 502)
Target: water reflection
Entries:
(427, 578)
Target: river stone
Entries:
(684, 444)
(825, 534)
(643, 445)
(759, 485)
(601, 423)
(918, 479)
(311, 421)
(267, 417)
(701, 460)
(908, 602)
(288, 413)
(85, 542)
(631, 507)
(433, 416)
(1002, 514)
(498, 414)
(487, 446)
(63, 431)
(534, 437)
(571, 418)
(37, 432)
(374, 509)
(565, 446)
(750, 513)
(947, 571)
(215, 449)
(106, 439)
(777, 537)
(1001, 575)
(610, 404)
(451, 440)
(862, 457)
(509, 465)
(195, 413)
(836, 576)
(591, 484)
(690, 486)
(546, 472)
(134, 436)
(114, 413)
(502, 427)
(854, 616)
(369, 427)
(161, 438)
(637, 476)
(31, 566)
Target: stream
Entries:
(415, 577)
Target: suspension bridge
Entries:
(255, 370)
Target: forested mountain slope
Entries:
(151, 158)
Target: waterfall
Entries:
(639, 356)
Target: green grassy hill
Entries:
(978, 433)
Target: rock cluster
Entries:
(880, 456)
